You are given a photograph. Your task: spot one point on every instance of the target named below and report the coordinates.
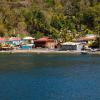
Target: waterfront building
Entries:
(45, 42)
(71, 46)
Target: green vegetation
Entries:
(61, 19)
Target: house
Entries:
(2, 39)
(45, 42)
(88, 40)
(14, 40)
(27, 43)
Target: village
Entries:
(83, 45)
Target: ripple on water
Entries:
(49, 77)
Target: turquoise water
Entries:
(49, 77)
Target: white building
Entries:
(71, 46)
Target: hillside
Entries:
(65, 19)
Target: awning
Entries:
(28, 38)
(14, 39)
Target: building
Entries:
(27, 43)
(87, 40)
(71, 46)
(45, 42)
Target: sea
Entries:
(49, 77)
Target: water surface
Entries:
(49, 77)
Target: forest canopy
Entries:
(65, 19)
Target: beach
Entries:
(44, 51)
(38, 51)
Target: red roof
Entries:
(44, 39)
(2, 39)
(87, 38)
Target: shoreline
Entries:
(39, 52)
(46, 51)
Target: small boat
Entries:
(84, 52)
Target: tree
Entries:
(50, 17)
(3, 30)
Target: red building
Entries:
(45, 42)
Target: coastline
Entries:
(37, 51)
(46, 51)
